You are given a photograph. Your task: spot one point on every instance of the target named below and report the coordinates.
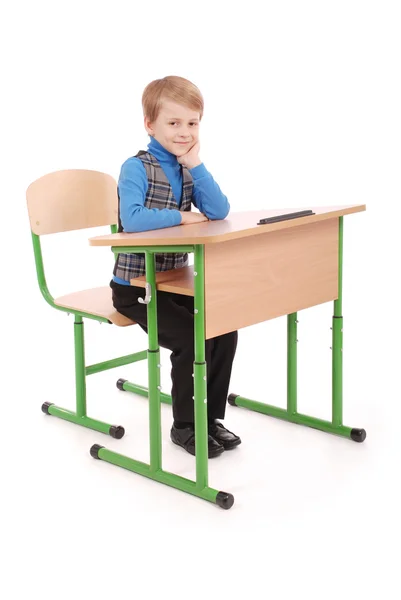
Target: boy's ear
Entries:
(147, 125)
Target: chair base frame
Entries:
(80, 417)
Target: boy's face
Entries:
(176, 128)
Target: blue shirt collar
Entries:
(162, 155)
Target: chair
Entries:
(66, 201)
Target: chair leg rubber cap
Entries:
(224, 500)
(120, 384)
(231, 399)
(45, 407)
(94, 451)
(358, 435)
(116, 431)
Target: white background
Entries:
(302, 109)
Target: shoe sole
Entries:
(210, 454)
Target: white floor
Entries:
(315, 515)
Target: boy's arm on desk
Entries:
(207, 196)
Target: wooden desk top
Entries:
(236, 225)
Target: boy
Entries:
(155, 190)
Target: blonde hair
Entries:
(179, 90)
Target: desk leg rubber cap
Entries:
(224, 500)
(231, 399)
(45, 407)
(116, 431)
(94, 451)
(120, 384)
(358, 435)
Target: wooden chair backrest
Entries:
(72, 199)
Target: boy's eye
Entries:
(174, 122)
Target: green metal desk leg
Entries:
(153, 368)
(291, 413)
(292, 364)
(358, 435)
(223, 499)
(200, 371)
(337, 340)
(154, 470)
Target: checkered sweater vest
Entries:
(159, 195)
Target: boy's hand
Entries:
(191, 158)
(189, 217)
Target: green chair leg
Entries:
(79, 417)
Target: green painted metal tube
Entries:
(338, 304)
(68, 415)
(337, 371)
(80, 383)
(40, 273)
(181, 483)
(337, 340)
(143, 391)
(114, 229)
(292, 363)
(280, 413)
(153, 470)
(200, 370)
(153, 368)
(116, 362)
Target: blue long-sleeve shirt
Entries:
(133, 186)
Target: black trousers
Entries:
(175, 314)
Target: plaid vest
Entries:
(159, 195)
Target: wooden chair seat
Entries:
(96, 301)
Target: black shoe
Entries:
(224, 437)
(186, 439)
